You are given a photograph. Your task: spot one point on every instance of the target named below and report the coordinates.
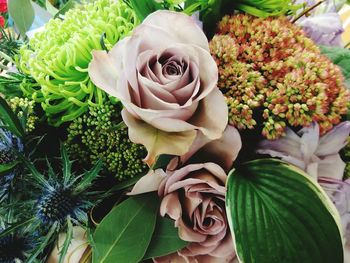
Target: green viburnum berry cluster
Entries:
(272, 76)
(97, 135)
(58, 57)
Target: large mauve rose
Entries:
(166, 79)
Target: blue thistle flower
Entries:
(15, 247)
(58, 202)
(63, 201)
(9, 146)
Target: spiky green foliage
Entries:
(97, 135)
(58, 57)
(9, 44)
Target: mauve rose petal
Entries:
(171, 205)
(214, 240)
(211, 259)
(209, 76)
(224, 249)
(199, 214)
(200, 248)
(105, 68)
(167, 184)
(189, 75)
(217, 171)
(204, 187)
(211, 121)
(183, 183)
(188, 234)
(218, 223)
(149, 182)
(186, 30)
(170, 55)
(177, 118)
(222, 151)
(191, 202)
(186, 94)
(147, 69)
(156, 98)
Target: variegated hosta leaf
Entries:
(278, 214)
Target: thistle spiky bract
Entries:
(60, 201)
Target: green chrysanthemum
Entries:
(97, 135)
(58, 57)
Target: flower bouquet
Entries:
(174, 131)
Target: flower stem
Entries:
(306, 11)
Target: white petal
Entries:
(332, 166)
(333, 141)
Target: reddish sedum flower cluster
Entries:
(270, 71)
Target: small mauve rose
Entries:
(166, 79)
(194, 197)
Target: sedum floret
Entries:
(272, 76)
(100, 134)
(58, 57)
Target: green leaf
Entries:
(340, 57)
(144, 8)
(162, 161)
(89, 176)
(165, 239)
(66, 164)
(125, 233)
(278, 214)
(126, 184)
(4, 168)
(67, 241)
(10, 119)
(22, 13)
(70, 4)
